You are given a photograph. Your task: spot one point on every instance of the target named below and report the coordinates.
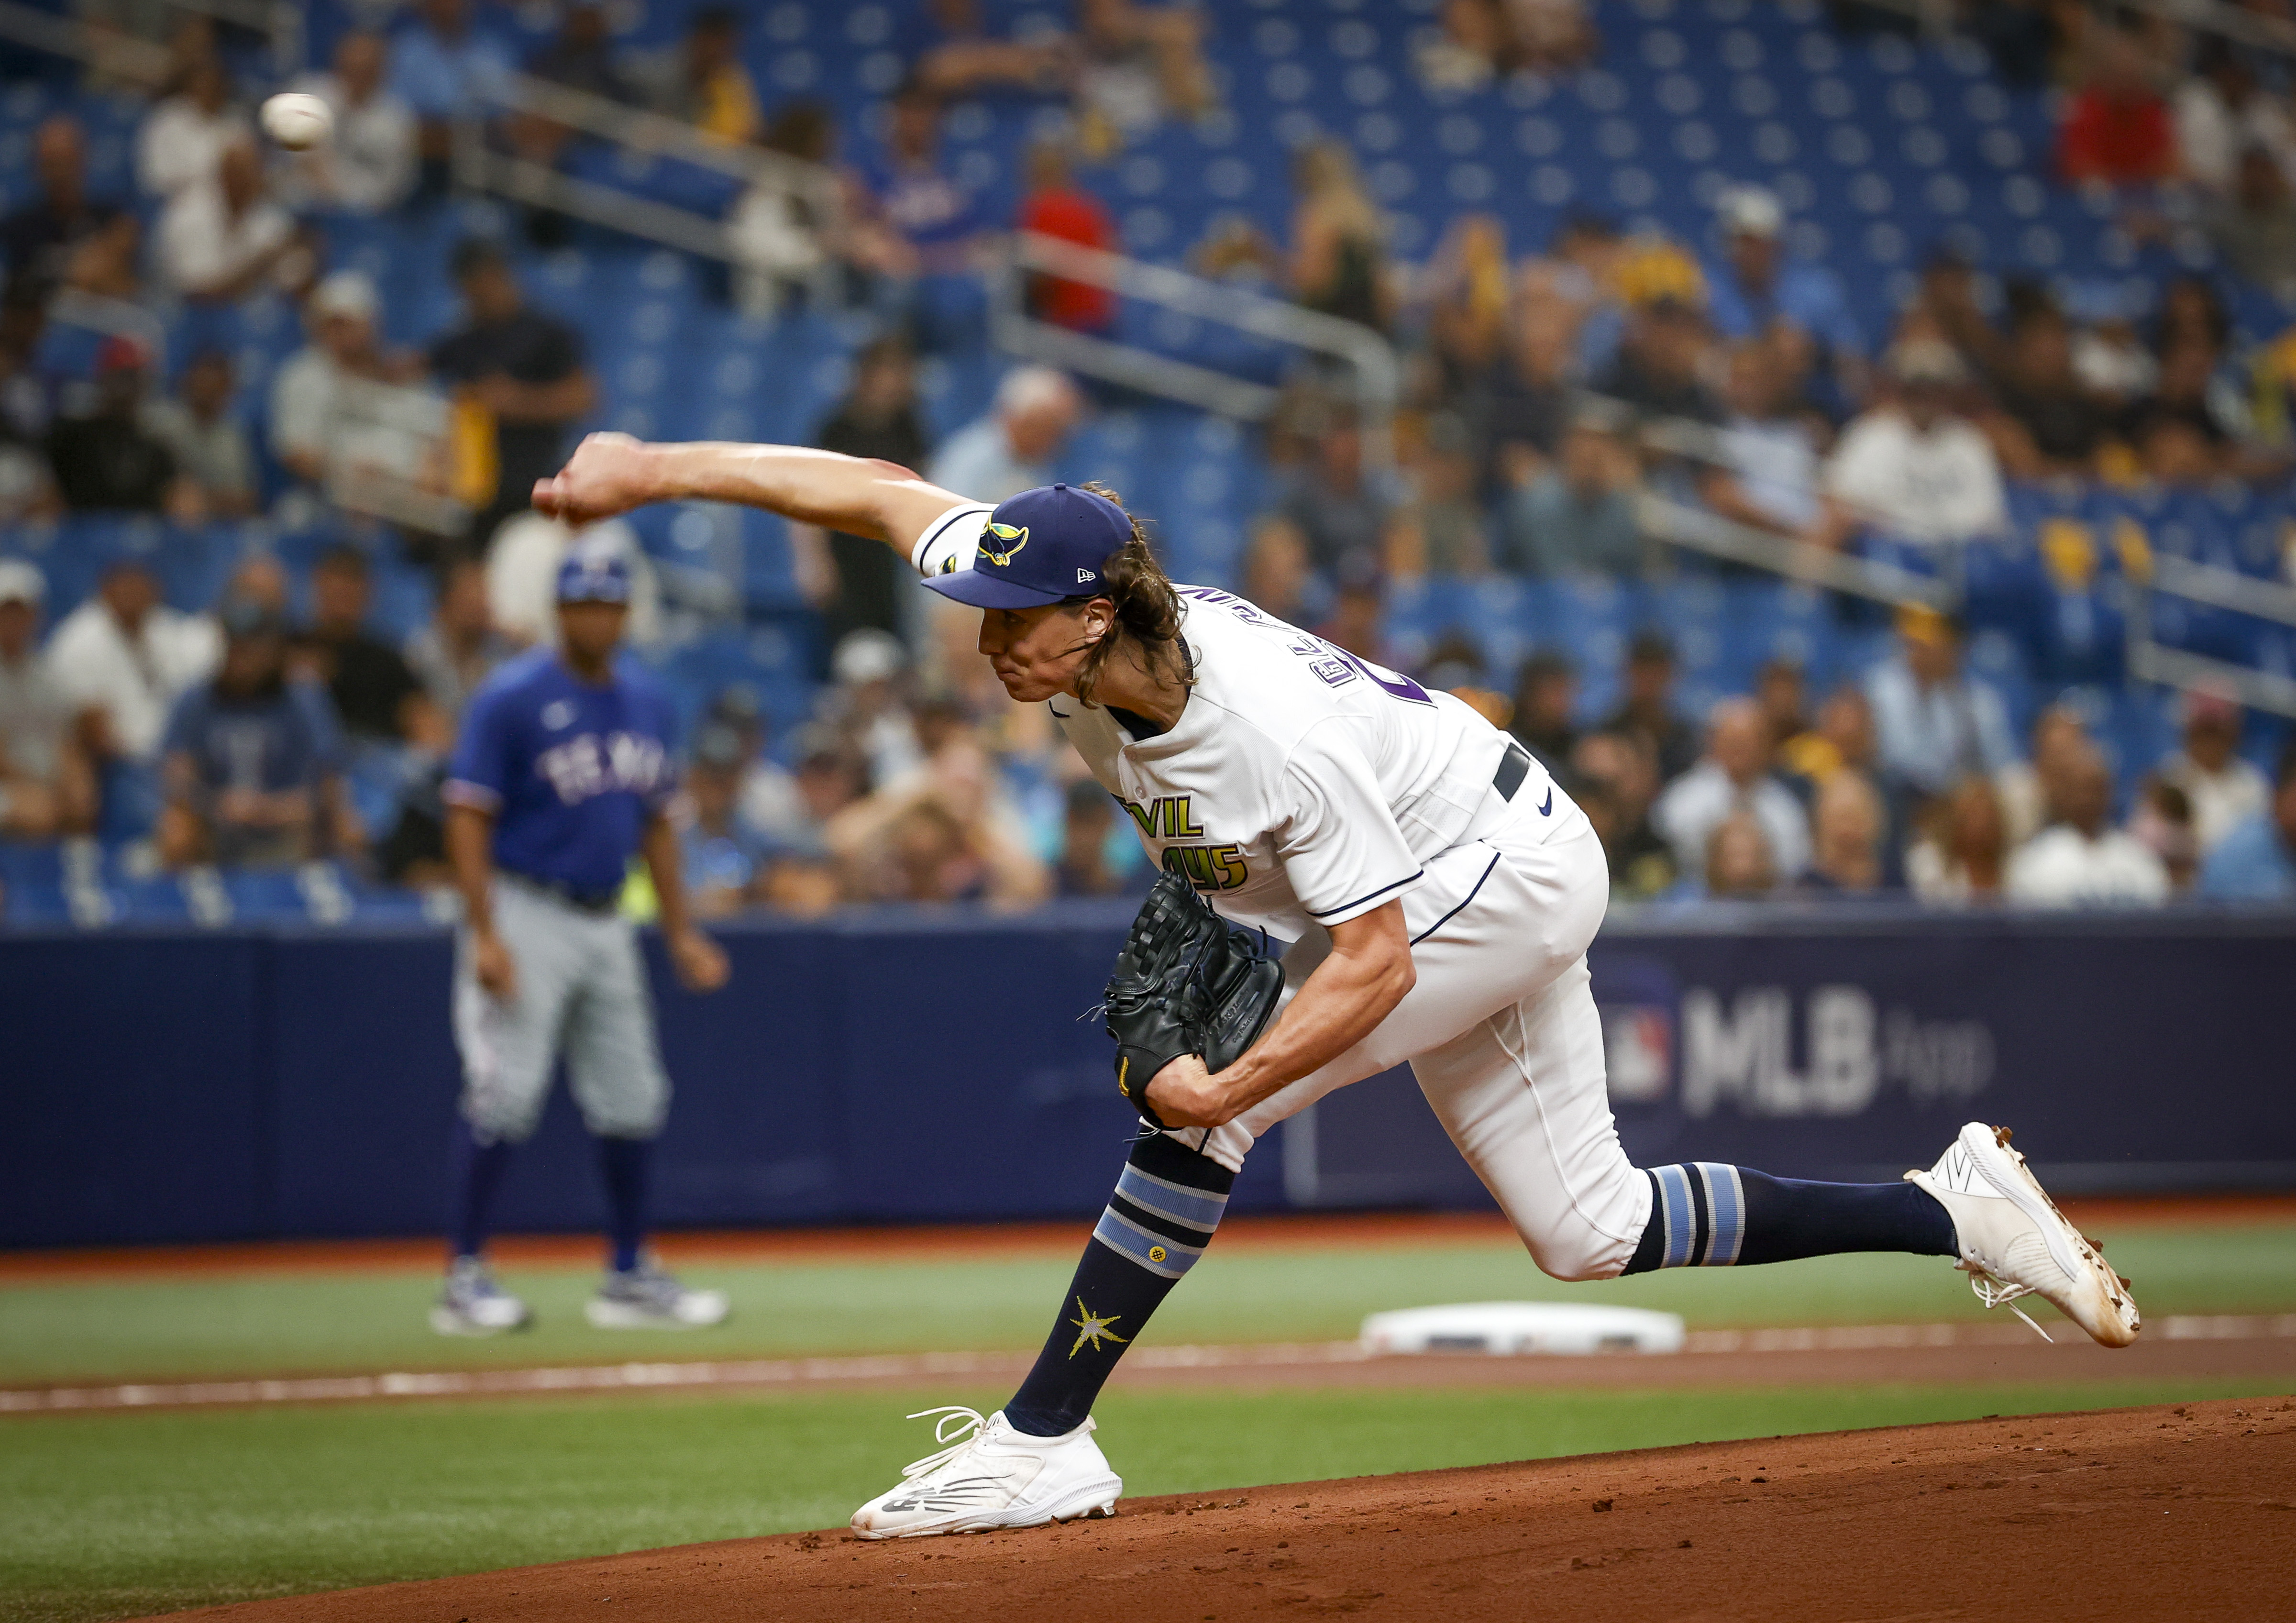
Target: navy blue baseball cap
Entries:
(594, 575)
(1045, 546)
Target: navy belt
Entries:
(1514, 766)
(602, 902)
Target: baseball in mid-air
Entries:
(297, 120)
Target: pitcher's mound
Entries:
(2186, 1512)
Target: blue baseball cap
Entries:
(1045, 546)
(594, 575)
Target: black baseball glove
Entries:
(1186, 983)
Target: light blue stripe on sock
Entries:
(1194, 1206)
(1726, 1204)
(1119, 1234)
(1681, 1227)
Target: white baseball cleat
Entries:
(2015, 1242)
(648, 1298)
(995, 1476)
(473, 1305)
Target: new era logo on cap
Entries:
(1039, 547)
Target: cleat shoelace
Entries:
(1995, 1291)
(958, 1427)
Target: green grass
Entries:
(116, 1515)
(257, 1324)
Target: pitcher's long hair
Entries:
(1147, 610)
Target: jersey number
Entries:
(1208, 867)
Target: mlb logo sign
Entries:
(1638, 1051)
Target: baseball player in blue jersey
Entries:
(563, 771)
(1438, 891)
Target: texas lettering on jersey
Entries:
(584, 767)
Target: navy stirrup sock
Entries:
(478, 1171)
(1166, 1206)
(1707, 1215)
(623, 1161)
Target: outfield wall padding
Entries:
(899, 1067)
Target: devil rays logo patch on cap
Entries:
(1013, 540)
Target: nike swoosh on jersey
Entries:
(1550, 801)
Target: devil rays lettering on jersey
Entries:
(569, 769)
(1302, 785)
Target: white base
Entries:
(1514, 1328)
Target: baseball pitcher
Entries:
(1438, 891)
(562, 772)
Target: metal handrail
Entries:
(2221, 588)
(2233, 22)
(1679, 524)
(479, 168)
(1371, 358)
(2150, 661)
(121, 53)
(281, 21)
(656, 134)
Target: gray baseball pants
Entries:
(582, 993)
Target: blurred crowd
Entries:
(1550, 390)
(1910, 782)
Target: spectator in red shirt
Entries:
(1057, 206)
(2117, 129)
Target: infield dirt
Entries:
(2185, 1511)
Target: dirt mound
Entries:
(2187, 1512)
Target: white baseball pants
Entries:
(1502, 1033)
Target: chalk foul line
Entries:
(933, 1365)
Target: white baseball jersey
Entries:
(1302, 785)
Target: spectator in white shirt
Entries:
(2224, 790)
(1935, 725)
(45, 787)
(2083, 861)
(332, 400)
(1010, 449)
(2221, 112)
(1733, 775)
(183, 139)
(367, 167)
(126, 656)
(1912, 467)
(222, 238)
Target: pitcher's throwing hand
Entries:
(605, 478)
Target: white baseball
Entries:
(297, 120)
